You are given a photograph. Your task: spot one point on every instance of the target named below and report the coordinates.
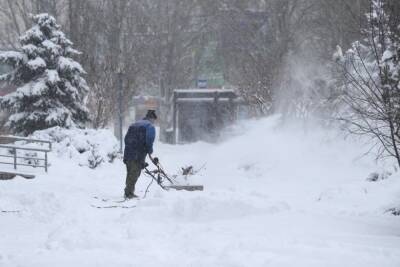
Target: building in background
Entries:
(200, 114)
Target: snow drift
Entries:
(273, 197)
(86, 147)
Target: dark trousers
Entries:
(133, 169)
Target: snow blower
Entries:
(160, 177)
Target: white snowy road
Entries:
(272, 198)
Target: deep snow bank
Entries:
(87, 147)
(266, 155)
(273, 197)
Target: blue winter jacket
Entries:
(139, 141)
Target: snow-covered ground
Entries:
(273, 197)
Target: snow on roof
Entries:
(204, 90)
(204, 93)
(206, 99)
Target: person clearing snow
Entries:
(138, 144)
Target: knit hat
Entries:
(151, 114)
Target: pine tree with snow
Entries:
(50, 88)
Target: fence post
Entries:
(174, 119)
(15, 158)
(45, 161)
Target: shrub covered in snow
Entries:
(371, 71)
(88, 147)
(377, 176)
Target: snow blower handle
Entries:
(154, 160)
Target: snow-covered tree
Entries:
(51, 90)
(372, 92)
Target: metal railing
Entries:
(5, 142)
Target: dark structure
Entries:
(199, 114)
